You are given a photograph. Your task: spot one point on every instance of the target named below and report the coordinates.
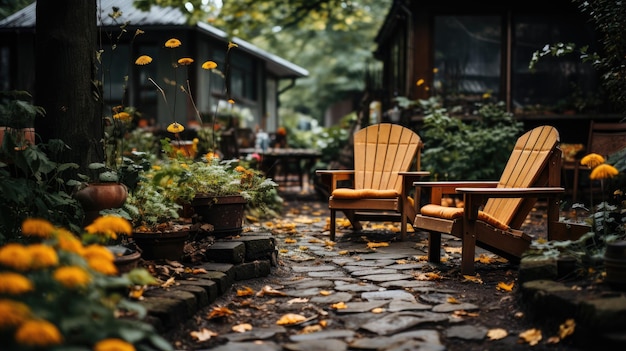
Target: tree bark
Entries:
(65, 62)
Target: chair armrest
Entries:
(474, 198)
(330, 177)
(438, 189)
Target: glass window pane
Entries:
(467, 58)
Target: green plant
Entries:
(33, 185)
(17, 111)
(469, 150)
(57, 293)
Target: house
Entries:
(464, 52)
(257, 76)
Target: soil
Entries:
(498, 309)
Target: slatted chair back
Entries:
(381, 151)
(527, 163)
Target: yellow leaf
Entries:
(497, 334)
(325, 292)
(217, 312)
(297, 300)
(421, 258)
(329, 243)
(252, 218)
(199, 271)
(290, 319)
(453, 300)
(339, 306)
(242, 328)
(246, 291)
(567, 328)
(203, 334)
(323, 323)
(473, 279)
(311, 329)
(137, 292)
(290, 241)
(378, 310)
(482, 258)
(303, 248)
(283, 251)
(168, 282)
(505, 287)
(372, 245)
(452, 250)
(531, 336)
(343, 252)
(314, 240)
(427, 276)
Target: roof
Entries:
(165, 16)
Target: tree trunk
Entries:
(64, 68)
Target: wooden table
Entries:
(281, 163)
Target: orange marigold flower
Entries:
(15, 256)
(231, 101)
(185, 61)
(38, 333)
(113, 344)
(68, 241)
(209, 65)
(175, 128)
(592, 160)
(123, 116)
(110, 226)
(37, 227)
(72, 276)
(102, 265)
(603, 171)
(42, 256)
(420, 82)
(240, 169)
(14, 284)
(98, 251)
(143, 60)
(12, 313)
(173, 43)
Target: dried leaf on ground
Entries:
(567, 328)
(311, 329)
(242, 328)
(203, 334)
(373, 245)
(268, 290)
(339, 305)
(531, 336)
(217, 312)
(291, 319)
(427, 276)
(168, 282)
(497, 334)
(453, 300)
(502, 286)
(325, 292)
(290, 241)
(298, 300)
(245, 291)
(199, 271)
(473, 279)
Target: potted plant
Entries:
(17, 116)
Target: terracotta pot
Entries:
(165, 245)
(96, 197)
(224, 213)
(126, 259)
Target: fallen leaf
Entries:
(217, 312)
(199, 271)
(290, 241)
(453, 300)
(482, 258)
(136, 292)
(303, 248)
(378, 310)
(283, 251)
(203, 334)
(505, 287)
(268, 290)
(531, 336)
(325, 292)
(339, 306)
(553, 340)
(168, 282)
(314, 241)
(567, 328)
(452, 250)
(373, 245)
(298, 300)
(497, 334)
(427, 276)
(311, 329)
(473, 279)
(343, 252)
(242, 328)
(323, 323)
(245, 291)
(290, 319)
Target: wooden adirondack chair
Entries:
(378, 186)
(493, 212)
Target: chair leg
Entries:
(333, 217)
(403, 224)
(467, 254)
(434, 247)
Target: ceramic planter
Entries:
(224, 213)
(99, 196)
(162, 245)
(126, 259)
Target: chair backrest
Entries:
(380, 152)
(528, 163)
(606, 138)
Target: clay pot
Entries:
(126, 259)
(96, 197)
(164, 245)
(224, 213)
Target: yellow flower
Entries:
(72, 276)
(240, 169)
(592, 160)
(110, 226)
(12, 313)
(123, 116)
(39, 333)
(42, 256)
(37, 227)
(185, 61)
(231, 101)
(173, 43)
(102, 265)
(98, 251)
(175, 128)
(232, 45)
(68, 241)
(420, 82)
(14, 284)
(209, 65)
(603, 171)
(486, 95)
(113, 345)
(15, 256)
(143, 60)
